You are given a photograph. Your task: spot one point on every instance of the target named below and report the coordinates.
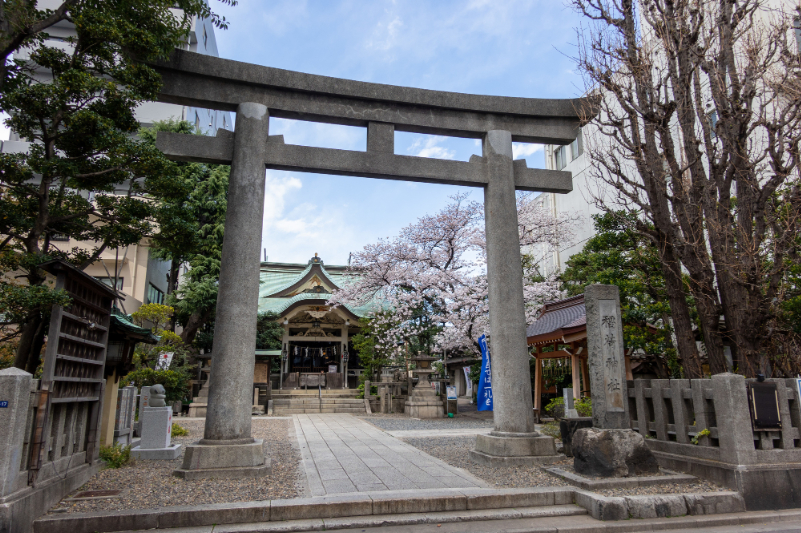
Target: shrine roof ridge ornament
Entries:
(200, 80)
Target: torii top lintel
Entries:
(208, 82)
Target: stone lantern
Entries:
(423, 401)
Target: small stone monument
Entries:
(570, 409)
(610, 448)
(144, 401)
(156, 429)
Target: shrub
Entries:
(175, 382)
(115, 456)
(556, 408)
(179, 431)
(360, 388)
(584, 406)
(552, 430)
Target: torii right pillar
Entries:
(514, 441)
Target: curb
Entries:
(323, 507)
(619, 483)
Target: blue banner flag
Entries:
(485, 380)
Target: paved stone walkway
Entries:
(344, 454)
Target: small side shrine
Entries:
(316, 336)
(558, 341)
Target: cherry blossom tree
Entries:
(432, 276)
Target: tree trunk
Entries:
(26, 340)
(680, 312)
(35, 354)
(193, 325)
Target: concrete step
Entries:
(340, 410)
(315, 401)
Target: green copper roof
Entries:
(278, 277)
(123, 324)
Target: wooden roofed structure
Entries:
(560, 332)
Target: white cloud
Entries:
(523, 150)
(428, 146)
(276, 189)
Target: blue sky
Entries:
(498, 47)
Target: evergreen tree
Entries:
(86, 175)
(618, 256)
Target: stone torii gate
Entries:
(255, 93)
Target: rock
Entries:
(568, 427)
(612, 453)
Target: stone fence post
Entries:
(733, 419)
(15, 396)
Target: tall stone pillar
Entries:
(228, 449)
(514, 439)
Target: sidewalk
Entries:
(343, 454)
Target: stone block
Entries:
(508, 498)
(422, 501)
(157, 454)
(203, 456)
(321, 507)
(98, 522)
(214, 514)
(15, 393)
(568, 427)
(612, 453)
(156, 428)
(243, 472)
(602, 507)
(503, 446)
(656, 506)
(706, 503)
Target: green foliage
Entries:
(556, 408)
(269, 332)
(583, 406)
(191, 233)
(175, 381)
(701, 434)
(157, 317)
(552, 430)
(179, 431)
(371, 356)
(86, 175)
(116, 456)
(616, 255)
(360, 388)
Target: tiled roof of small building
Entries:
(567, 313)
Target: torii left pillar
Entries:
(227, 449)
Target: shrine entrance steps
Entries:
(299, 401)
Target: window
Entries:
(197, 121)
(560, 157)
(205, 37)
(225, 123)
(154, 295)
(577, 146)
(109, 282)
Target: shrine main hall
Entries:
(317, 337)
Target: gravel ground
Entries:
(150, 484)
(404, 423)
(454, 451)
